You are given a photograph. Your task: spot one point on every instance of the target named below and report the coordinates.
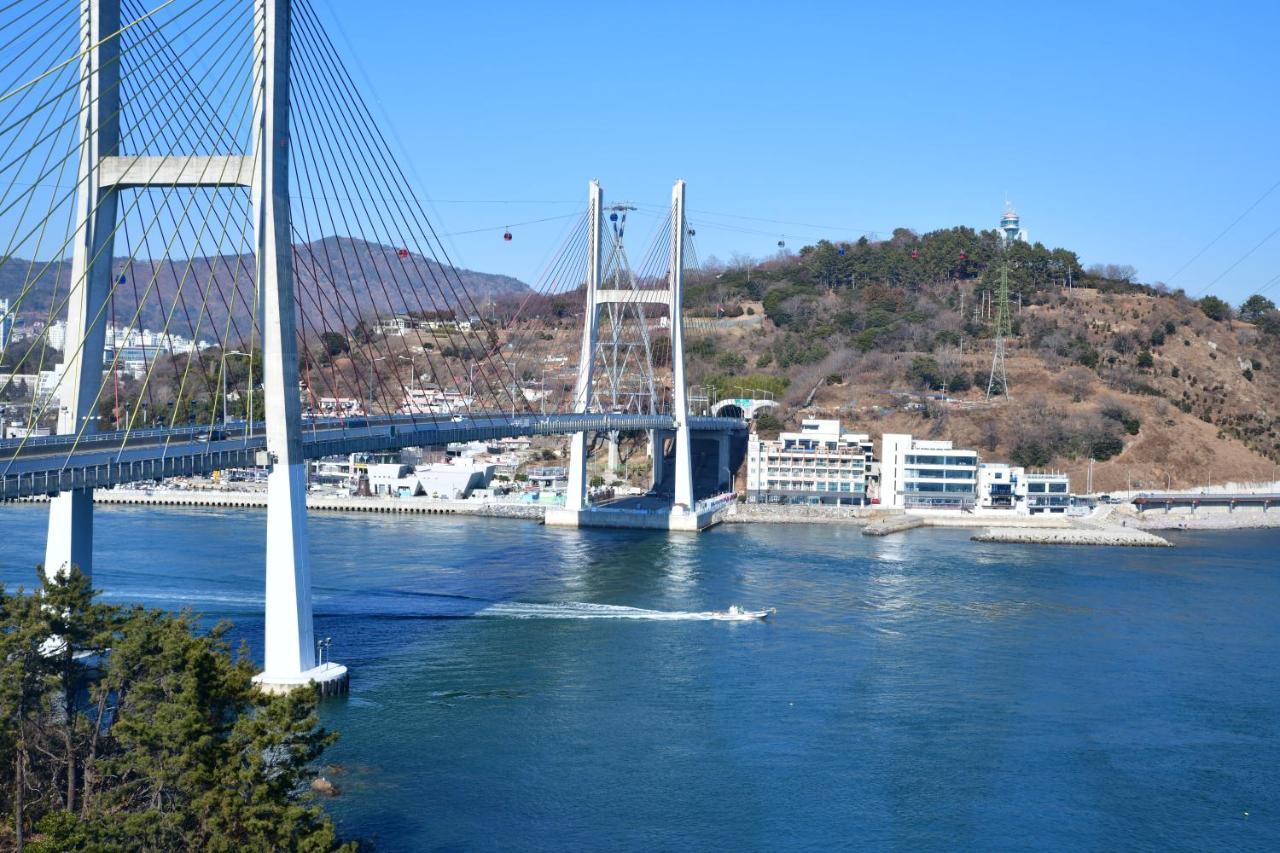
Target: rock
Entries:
(323, 786)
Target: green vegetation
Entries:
(129, 729)
(1215, 308)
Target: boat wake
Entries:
(579, 610)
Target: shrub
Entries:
(1215, 308)
(1031, 454)
(1107, 447)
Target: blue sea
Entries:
(516, 687)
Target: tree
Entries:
(1255, 308)
(1215, 308)
(160, 743)
(334, 344)
(925, 371)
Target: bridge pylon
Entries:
(585, 399)
(104, 171)
(70, 539)
(289, 648)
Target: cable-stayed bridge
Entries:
(201, 214)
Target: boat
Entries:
(736, 612)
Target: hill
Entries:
(373, 277)
(1157, 388)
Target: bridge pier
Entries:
(289, 657)
(724, 477)
(614, 462)
(683, 491)
(70, 540)
(657, 458)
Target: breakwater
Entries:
(1123, 536)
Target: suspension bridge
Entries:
(200, 211)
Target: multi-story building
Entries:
(1002, 487)
(919, 474)
(819, 464)
(1048, 492)
(1010, 487)
(6, 323)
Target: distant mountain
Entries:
(339, 281)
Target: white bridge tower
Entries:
(289, 648)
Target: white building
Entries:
(1002, 487)
(1011, 487)
(818, 465)
(57, 336)
(6, 324)
(918, 474)
(1048, 492)
(443, 480)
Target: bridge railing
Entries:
(52, 472)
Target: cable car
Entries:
(613, 217)
(506, 235)
(403, 253)
(782, 244)
(963, 256)
(915, 254)
(692, 232)
(840, 251)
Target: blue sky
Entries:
(1130, 132)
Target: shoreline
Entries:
(1112, 525)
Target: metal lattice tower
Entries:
(624, 350)
(998, 381)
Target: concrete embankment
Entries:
(744, 513)
(258, 500)
(894, 524)
(1072, 536)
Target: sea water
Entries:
(516, 687)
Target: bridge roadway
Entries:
(56, 463)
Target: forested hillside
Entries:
(1158, 387)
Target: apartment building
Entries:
(817, 465)
(920, 474)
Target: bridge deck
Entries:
(53, 464)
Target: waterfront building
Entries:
(817, 465)
(1002, 486)
(1048, 492)
(1010, 487)
(919, 474)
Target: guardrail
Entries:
(193, 456)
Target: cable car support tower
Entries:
(998, 381)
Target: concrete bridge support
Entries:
(70, 540)
(290, 648)
(576, 494)
(614, 462)
(683, 491)
(724, 477)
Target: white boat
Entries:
(737, 613)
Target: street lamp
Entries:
(413, 363)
